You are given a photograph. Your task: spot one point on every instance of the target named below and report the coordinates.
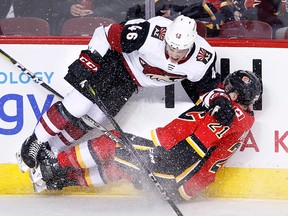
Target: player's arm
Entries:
(181, 127)
(116, 37)
(208, 82)
(178, 129)
(90, 60)
(127, 38)
(219, 103)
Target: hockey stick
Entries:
(125, 142)
(47, 87)
(29, 73)
(42, 83)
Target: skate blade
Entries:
(35, 174)
(22, 166)
(39, 186)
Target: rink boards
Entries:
(257, 170)
(230, 183)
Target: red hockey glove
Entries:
(221, 108)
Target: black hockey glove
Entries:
(87, 64)
(222, 109)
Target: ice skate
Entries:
(48, 166)
(49, 175)
(39, 186)
(44, 153)
(22, 166)
(29, 152)
(46, 171)
(35, 174)
(53, 184)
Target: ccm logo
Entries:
(88, 64)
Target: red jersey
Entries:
(213, 142)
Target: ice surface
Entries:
(134, 206)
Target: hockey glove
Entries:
(87, 64)
(222, 109)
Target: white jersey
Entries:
(142, 45)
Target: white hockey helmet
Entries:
(181, 33)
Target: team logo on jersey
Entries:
(204, 56)
(192, 116)
(158, 74)
(159, 32)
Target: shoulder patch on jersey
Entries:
(204, 56)
(239, 114)
(159, 32)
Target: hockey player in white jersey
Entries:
(119, 60)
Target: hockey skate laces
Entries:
(49, 154)
(34, 149)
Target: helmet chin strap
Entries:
(189, 50)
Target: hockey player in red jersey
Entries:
(184, 155)
(119, 60)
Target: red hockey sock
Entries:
(79, 176)
(68, 158)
